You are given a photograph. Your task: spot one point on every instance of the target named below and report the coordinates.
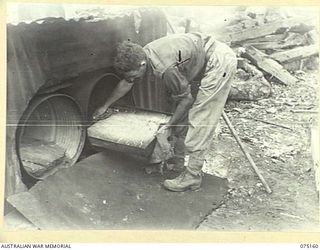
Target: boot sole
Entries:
(192, 188)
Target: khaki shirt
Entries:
(178, 60)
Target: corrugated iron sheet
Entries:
(151, 94)
(56, 50)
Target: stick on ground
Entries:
(267, 122)
(248, 156)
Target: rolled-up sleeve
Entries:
(176, 83)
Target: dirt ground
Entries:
(283, 155)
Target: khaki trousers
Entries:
(198, 127)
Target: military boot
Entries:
(185, 181)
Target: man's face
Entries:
(136, 75)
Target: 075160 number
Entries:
(309, 246)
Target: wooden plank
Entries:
(267, 29)
(295, 54)
(268, 65)
(292, 40)
(268, 38)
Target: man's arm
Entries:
(183, 107)
(122, 88)
(119, 91)
(179, 87)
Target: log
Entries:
(268, 65)
(295, 54)
(268, 28)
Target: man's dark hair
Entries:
(129, 57)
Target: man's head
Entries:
(130, 61)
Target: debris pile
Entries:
(271, 43)
(276, 44)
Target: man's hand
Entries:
(102, 113)
(163, 128)
(119, 91)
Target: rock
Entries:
(259, 184)
(272, 110)
(251, 191)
